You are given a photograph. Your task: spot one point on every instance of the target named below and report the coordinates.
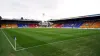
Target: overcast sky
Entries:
(33, 9)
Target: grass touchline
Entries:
(8, 40)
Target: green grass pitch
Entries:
(50, 42)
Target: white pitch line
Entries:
(40, 45)
(8, 40)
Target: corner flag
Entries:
(15, 38)
(15, 42)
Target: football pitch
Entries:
(49, 42)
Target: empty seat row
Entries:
(79, 24)
(18, 25)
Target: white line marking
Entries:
(43, 44)
(40, 45)
(8, 40)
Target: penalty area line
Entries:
(8, 40)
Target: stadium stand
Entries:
(3, 25)
(77, 24)
(15, 23)
(57, 25)
(20, 25)
(91, 21)
(53, 25)
(91, 24)
(69, 24)
(96, 24)
(32, 25)
(14, 26)
(8, 25)
(25, 25)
